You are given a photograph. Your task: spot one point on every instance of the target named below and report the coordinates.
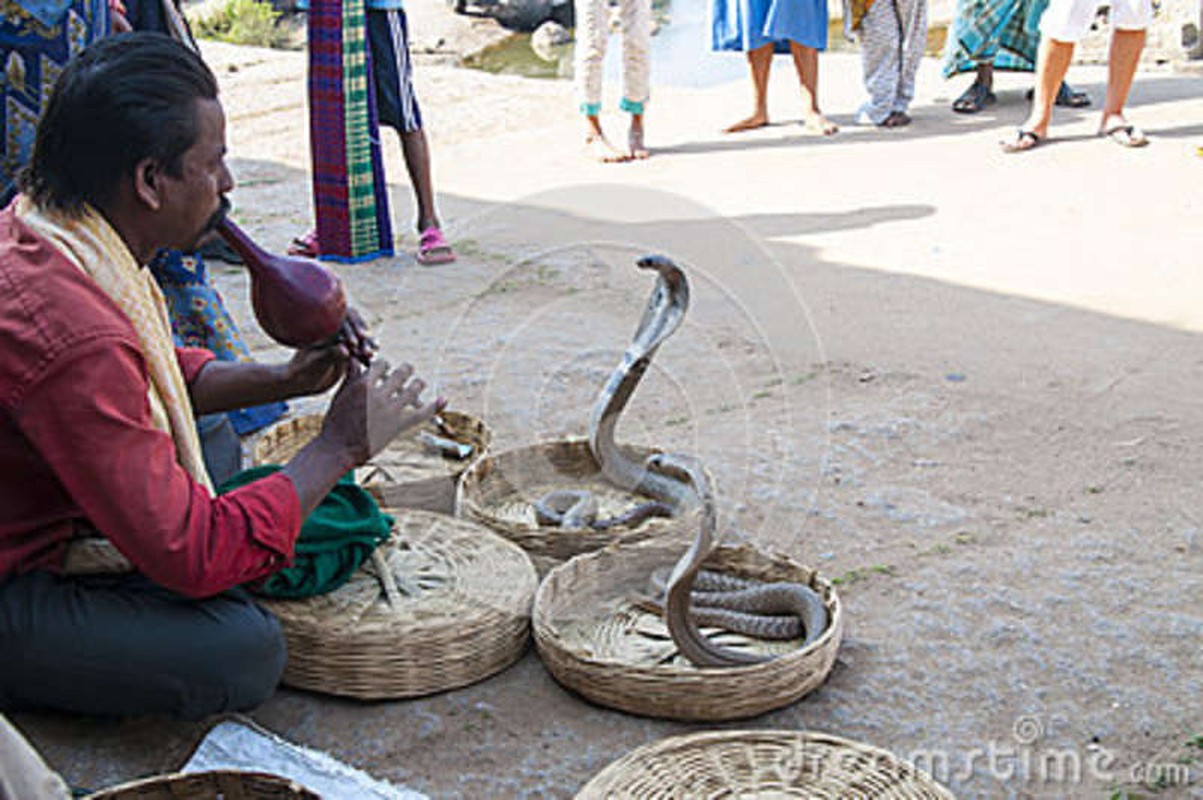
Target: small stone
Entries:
(548, 40)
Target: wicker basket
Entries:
(500, 490)
(407, 474)
(228, 784)
(744, 764)
(443, 604)
(596, 641)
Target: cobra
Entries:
(666, 307)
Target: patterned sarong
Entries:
(350, 196)
(199, 319)
(37, 38)
(1005, 32)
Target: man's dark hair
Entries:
(123, 99)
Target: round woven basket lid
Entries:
(229, 784)
(417, 470)
(761, 764)
(443, 604)
(500, 491)
(596, 640)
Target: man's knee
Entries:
(252, 661)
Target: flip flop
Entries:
(1023, 141)
(1125, 135)
(305, 245)
(974, 99)
(433, 248)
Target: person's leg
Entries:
(1130, 18)
(806, 62)
(397, 104)
(636, 69)
(1126, 47)
(760, 61)
(1052, 63)
(1062, 25)
(912, 18)
(879, 61)
(118, 644)
(589, 56)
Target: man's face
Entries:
(193, 202)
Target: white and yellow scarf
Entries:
(89, 242)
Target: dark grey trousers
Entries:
(119, 644)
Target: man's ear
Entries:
(148, 183)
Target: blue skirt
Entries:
(743, 25)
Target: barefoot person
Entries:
(97, 408)
(592, 34)
(990, 35)
(761, 28)
(1063, 24)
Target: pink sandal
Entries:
(433, 248)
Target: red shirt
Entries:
(78, 450)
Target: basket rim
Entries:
(831, 599)
(640, 757)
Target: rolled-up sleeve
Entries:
(191, 360)
(90, 419)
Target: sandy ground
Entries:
(966, 385)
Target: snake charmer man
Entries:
(97, 408)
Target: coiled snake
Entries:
(677, 483)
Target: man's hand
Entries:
(374, 406)
(358, 337)
(313, 370)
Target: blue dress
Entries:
(743, 25)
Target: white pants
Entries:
(892, 37)
(592, 31)
(1068, 20)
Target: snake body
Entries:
(775, 610)
(576, 509)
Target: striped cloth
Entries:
(1003, 32)
(350, 196)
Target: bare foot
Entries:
(638, 151)
(897, 119)
(757, 120)
(820, 125)
(598, 148)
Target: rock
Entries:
(526, 15)
(549, 40)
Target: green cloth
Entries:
(335, 539)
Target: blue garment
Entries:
(32, 54)
(370, 5)
(199, 319)
(744, 25)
